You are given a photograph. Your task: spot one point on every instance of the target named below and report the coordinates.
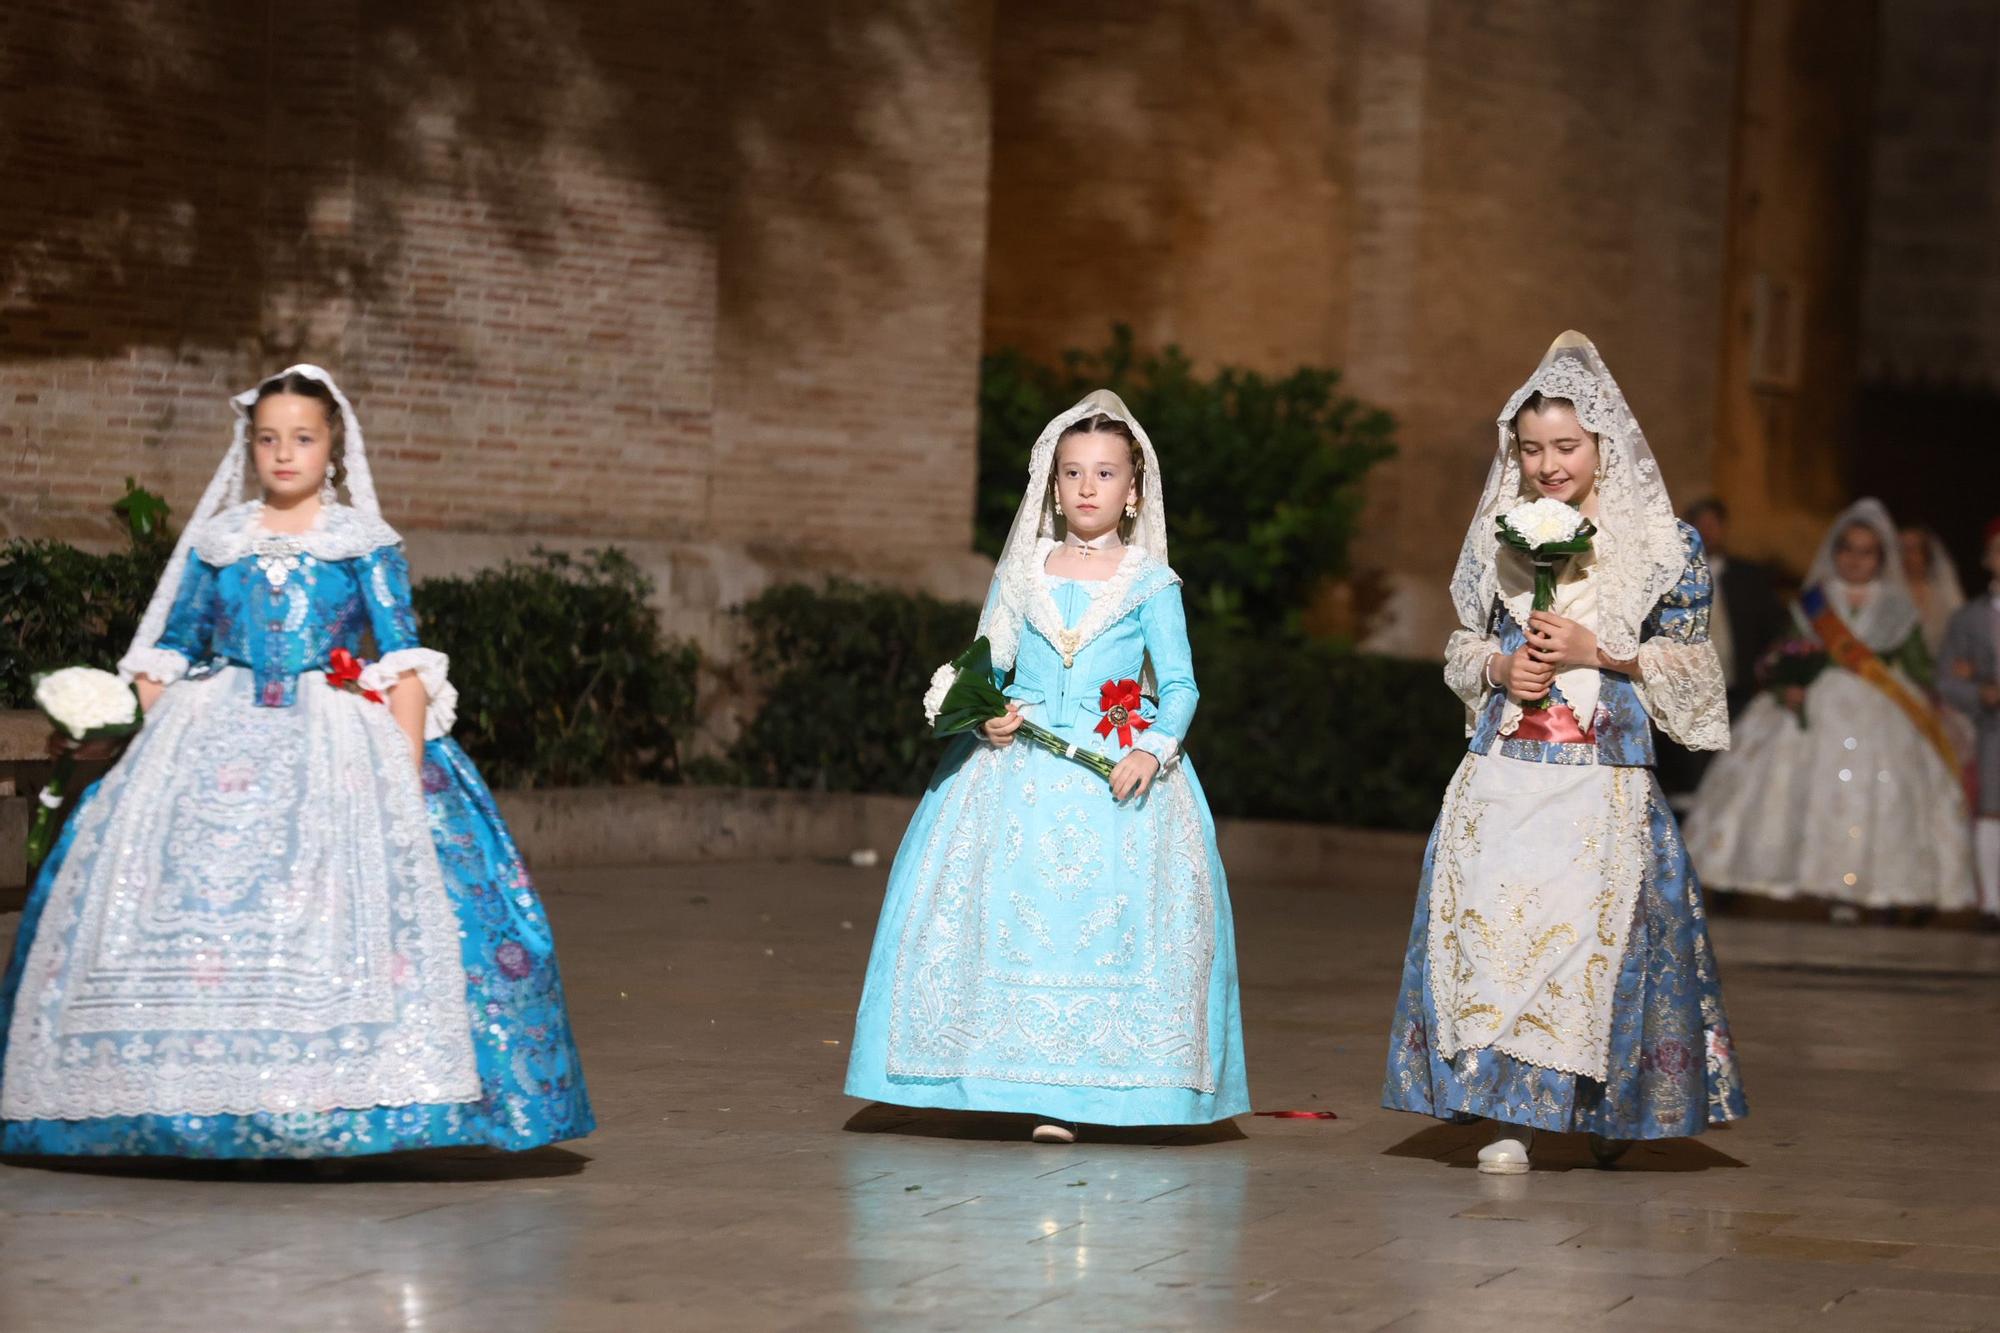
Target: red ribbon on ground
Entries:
(1298, 1115)
(1119, 701)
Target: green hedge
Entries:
(841, 673)
(1320, 733)
(1287, 731)
(63, 607)
(562, 674)
(1263, 474)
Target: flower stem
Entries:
(42, 832)
(1056, 745)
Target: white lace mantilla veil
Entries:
(1036, 521)
(1638, 552)
(1885, 623)
(233, 480)
(1942, 576)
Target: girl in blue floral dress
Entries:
(289, 922)
(1558, 974)
(1053, 943)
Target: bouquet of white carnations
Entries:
(963, 696)
(85, 704)
(1547, 531)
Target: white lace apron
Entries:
(251, 918)
(1535, 880)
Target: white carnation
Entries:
(82, 699)
(942, 680)
(1543, 521)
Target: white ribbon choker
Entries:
(1104, 541)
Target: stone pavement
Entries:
(731, 1186)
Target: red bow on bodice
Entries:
(1119, 701)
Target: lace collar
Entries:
(1028, 600)
(339, 533)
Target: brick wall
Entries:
(703, 280)
(1421, 193)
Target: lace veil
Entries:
(1884, 624)
(235, 480)
(1639, 553)
(1038, 520)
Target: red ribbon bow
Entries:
(343, 672)
(1119, 702)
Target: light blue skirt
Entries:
(1043, 949)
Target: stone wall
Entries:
(1932, 298)
(700, 280)
(1420, 193)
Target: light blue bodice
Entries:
(1149, 626)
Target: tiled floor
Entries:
(732, 1186)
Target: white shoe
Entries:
(1507, 1156)
(1054, 1131)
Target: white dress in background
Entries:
(1856, 806)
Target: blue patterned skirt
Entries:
(1672, 1068)
(532, 1090)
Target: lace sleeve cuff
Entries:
(1162, 747)
(161, 664)
(1465, 659)
(431, 667)
(1682, 688)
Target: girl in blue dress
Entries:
(289, 922)
(1558, 974)
(1052, 943)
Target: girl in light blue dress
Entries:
(1051, 943)
(289, 922)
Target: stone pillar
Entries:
(1791, 330)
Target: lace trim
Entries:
(251, 918)
(432, 668)
(1163, 748)
(339, 533)
(1682, 688)
(1480, 957)
(1025, 599)
(162, 664)
(1640, 551)
(983, 989)
(1466, 654)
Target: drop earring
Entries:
(326, 492)
(1131, 510)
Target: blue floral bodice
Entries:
(281, 612)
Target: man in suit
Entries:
(1746, 620)
(1969, 679)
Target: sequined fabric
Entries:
(252, 658)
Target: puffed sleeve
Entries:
(1466, 654)
(385, 589)
(189, 635)
(1163, 620)
(1680, 678)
